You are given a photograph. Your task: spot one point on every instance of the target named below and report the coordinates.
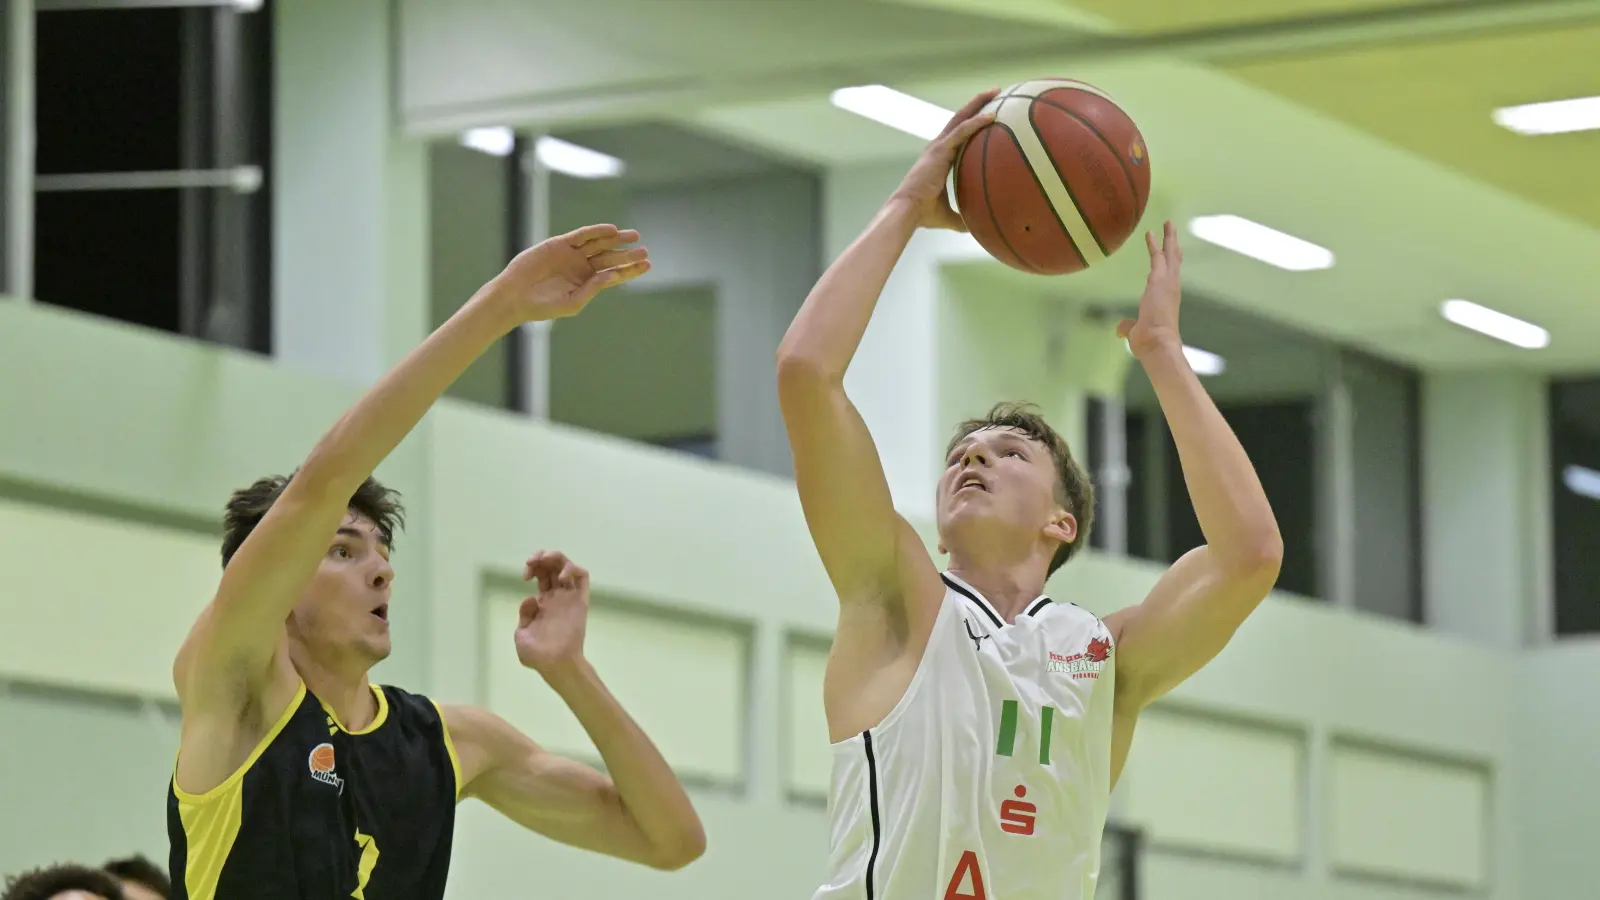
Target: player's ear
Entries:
(1063, 527)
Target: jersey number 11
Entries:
(1007, 744)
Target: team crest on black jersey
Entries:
(321, 761)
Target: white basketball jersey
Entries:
(990, 779)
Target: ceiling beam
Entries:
(1329, 33)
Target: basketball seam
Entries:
(1065, 183)
(1065, 231)
(983, 170)
(1122, 164)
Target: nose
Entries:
(382, 576)
(976, 456)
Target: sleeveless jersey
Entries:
(318, 812)
(990, 779)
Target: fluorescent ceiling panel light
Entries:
(1204, 362)
(894, 109)
(553, 153)
(1495, 324)
(1581, 481)
(1257, 241)
(1553, 117)
(495, 141)
(579, 162)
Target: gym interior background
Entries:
(223, 220)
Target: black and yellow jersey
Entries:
(318, 812)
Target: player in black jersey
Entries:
(298, 778)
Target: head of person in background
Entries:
(65, 881)
(141, 879)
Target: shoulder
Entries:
(481, 739)
(414, 706)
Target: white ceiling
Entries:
(1408, 233)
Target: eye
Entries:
(1016, 453)
(341, 551)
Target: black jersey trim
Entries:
(981, 603)
(872, 797)
(1038, 606)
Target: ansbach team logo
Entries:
(1082, 665)
(321, 764)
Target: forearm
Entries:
(1226, 493)
(371, 429)
(648, 788)
(826, 332)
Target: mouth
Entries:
(382, 612)
(971, 482)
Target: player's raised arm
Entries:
(231, 648)
(637, 810)
(1198, 604)
(858, 535)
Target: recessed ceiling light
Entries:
(553, 153)
(1582, 481)
(1495, 324)
(1204, 362)
(495, 141)
(890, 107)
(579, 162)
(1552, 117)
(1257, 241)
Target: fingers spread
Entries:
(607, 242)
(611, 259)
(622, 274)
(964, 132)
(968, 111)
(589, 233)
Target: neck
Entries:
(345, 688)
(1008, 588)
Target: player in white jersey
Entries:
(978, 727)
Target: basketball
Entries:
(1058, 182)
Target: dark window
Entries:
(1281, 440)
(1575, 503)
(142, 114)
(7, 186)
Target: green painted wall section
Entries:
(146, 431)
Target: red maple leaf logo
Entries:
(1098, 650)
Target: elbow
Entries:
(1267, 552)
(1259, 562)
(802, 374)
(689, 846)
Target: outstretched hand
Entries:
(924, 185)
(557, 277)
(551, 623)
(1157, 324)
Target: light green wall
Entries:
(170, 427)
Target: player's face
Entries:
(997, 483)
(345, 610)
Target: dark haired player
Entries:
(296, 776)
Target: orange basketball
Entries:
(1058, 182)
(322, 758)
